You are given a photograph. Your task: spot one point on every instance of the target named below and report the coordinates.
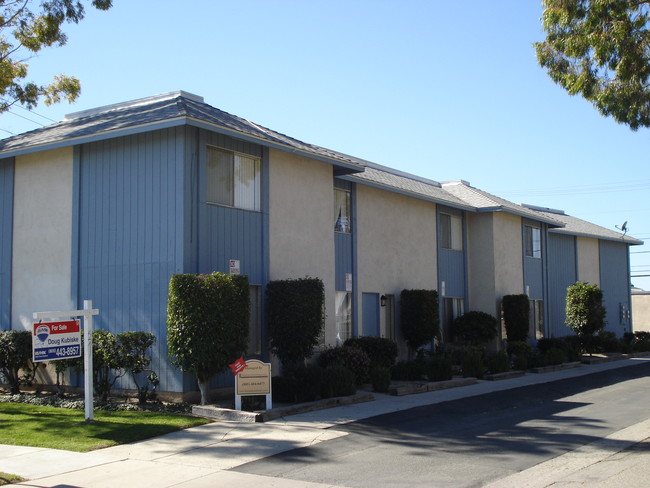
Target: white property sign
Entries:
(56, 340)
(87, 314)
(252, 380)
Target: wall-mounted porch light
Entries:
(382, 300)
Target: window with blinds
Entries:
(233, 179)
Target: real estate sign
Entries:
(56, 340)
(253, 380)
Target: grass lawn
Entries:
(6, 479)
(62, 428)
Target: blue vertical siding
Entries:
(343, 256)
(451, 264)
(451, 270)
(370, 304)
(562, 273)
(615, 284)
(226, 233)
(6, 237)
(130, 233)
(344, 243)
(534, 268)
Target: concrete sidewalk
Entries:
(201, 456)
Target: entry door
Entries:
(370, 304)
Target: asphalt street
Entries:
(471, 441)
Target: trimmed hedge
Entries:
(439, 368)
(380, 378)
(356, 360)
(419, 317)
(497, 362)
(296, 317)
(475, 328)
(516, 310)
(585, 313)
(521, 354)
(380, 350)
(207, 323)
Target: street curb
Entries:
(431, 386)
(556, 367)
(504, 376)
(218, 413)
(616, 357)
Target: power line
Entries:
(26, 118)
(28, 110)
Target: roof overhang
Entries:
(341, 167)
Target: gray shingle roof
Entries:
(175, 106)
(483, 201)
(409, 184)
(579, 227)
(178, 108)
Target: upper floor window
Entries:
(532, 241)
(451, 232)
(233, 179)
(343, 222)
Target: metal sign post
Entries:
(87, 314)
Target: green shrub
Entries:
(439, 368)
(338, 381)
(547, 343)
(380, 378)
(606, 341)
(473, 365)
(419, 317)
(456, 352)
(516, 315)
(520, 353)
(475, 328)
(283, 389)
(412, 370)
(641, 341)
(16, 356)
(497, 362)
(352, 358)
(136, 347)
(295, 311)
(555, 356)
(381, 351)
(207, 323)
(298, 383)
(109, 362)
(585, 313)
(573, 348)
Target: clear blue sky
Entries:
(445, 90)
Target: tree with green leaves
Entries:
(207, 324)
(600, 49)
(585, 313)
(25, 29)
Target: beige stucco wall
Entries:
(641, 312)
(396, 244)
(588, 260)
(480, 242)
(42, 247)
(508, 248)
(301, 224)
(495, 259)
